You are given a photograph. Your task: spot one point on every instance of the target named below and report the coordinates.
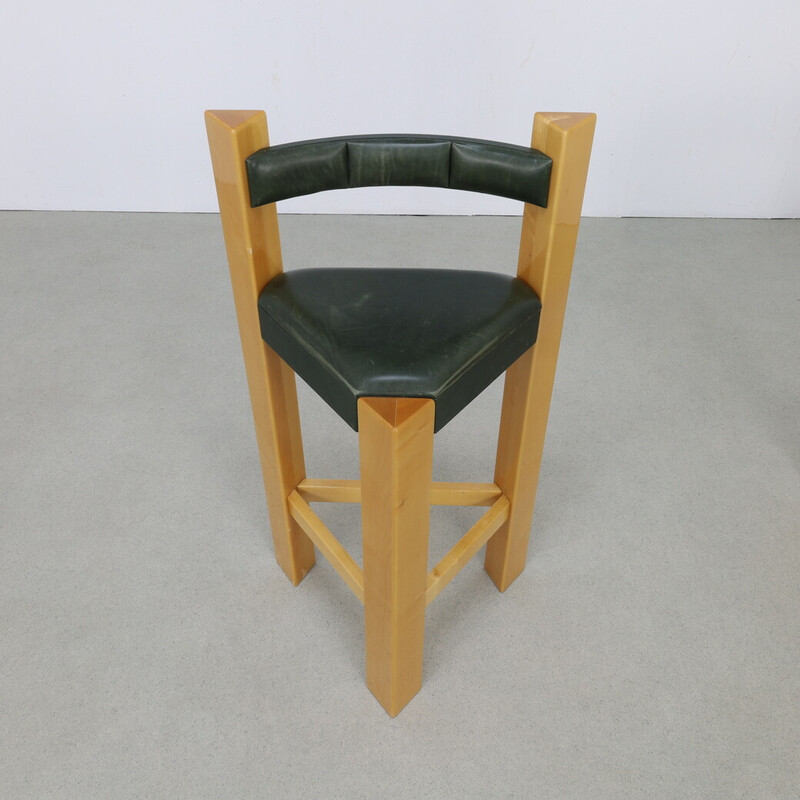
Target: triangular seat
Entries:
(375, 332)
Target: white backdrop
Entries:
(698, 100)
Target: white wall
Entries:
(698, 100)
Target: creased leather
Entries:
(299, 168)
(503, 170)
(399, 162)
(372, 332)
(303, 168)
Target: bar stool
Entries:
(397, 353)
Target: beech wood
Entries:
(547, 248)
(396, 445)
(328, 544)
(254, 257)
(463, 551)
(334, 490)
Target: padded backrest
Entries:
(290, 170)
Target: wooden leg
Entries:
(253, 245)
(547, 247)
(523, 423)
(396, 444)
(280, 447)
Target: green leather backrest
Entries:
(298, 168)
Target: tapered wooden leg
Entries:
(280, 446)
(547, 247)
(254, 258)
(396, 444)
(523, 423)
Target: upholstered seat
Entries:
(397, 353)
(443, 334)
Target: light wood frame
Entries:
(396, 434)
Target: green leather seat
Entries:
(364, 332)
(361, 332)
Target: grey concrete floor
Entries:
(152, 648)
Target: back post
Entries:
(547, 248)
(253, 247)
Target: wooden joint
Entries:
(331, 490)
(466, 548)
(328, 544)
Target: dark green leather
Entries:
(398, 161)
(290, 170)
(364, 332)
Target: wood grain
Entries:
(396, 449)
(547, 248)
(254, 257)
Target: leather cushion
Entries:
(291, 170)
(304, 168)
(399, 161)
(372, 332)
(503, 170)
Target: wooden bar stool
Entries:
(397, 353)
